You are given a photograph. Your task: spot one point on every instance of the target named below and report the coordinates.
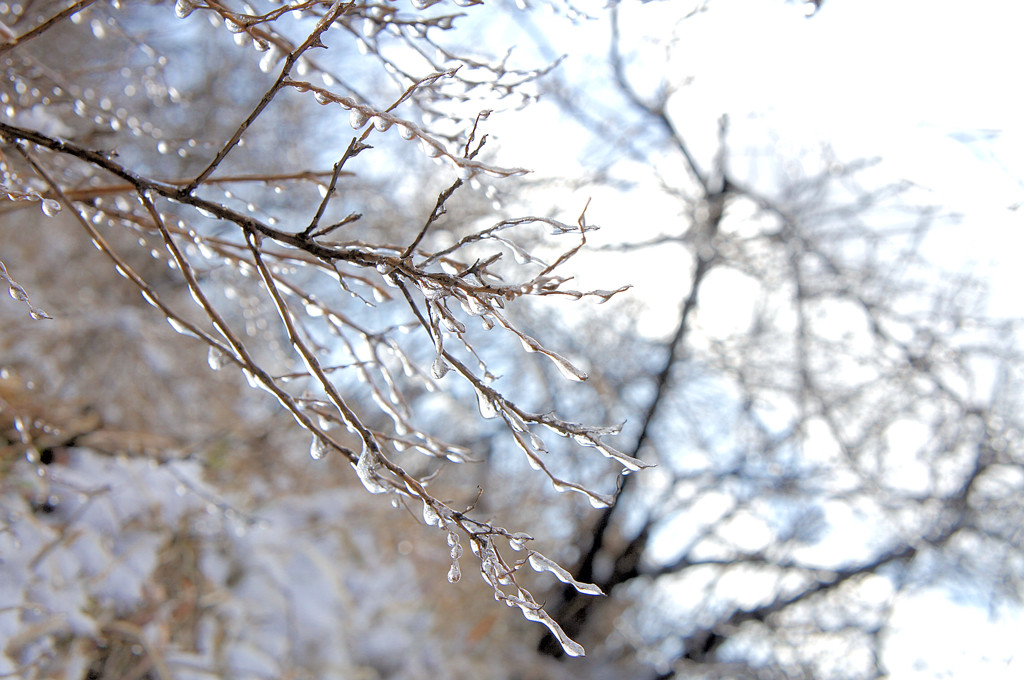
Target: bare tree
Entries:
(840, 447)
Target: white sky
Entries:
(930, 87)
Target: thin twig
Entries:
(45, 26)
(434, 215)
(354, 147)
(655, 111)
(313, 40)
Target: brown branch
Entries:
(312, 176)
(172, 192)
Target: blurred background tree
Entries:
(834, 419)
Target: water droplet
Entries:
(357, 119)
(50, 207)
(270, 58)
(182, 8)
(370, 28)
(179, 327)
(381, 123)
(454, 574)
(317, 448)
(313, 309)
(366, 470)
(439, 368)
(429, 149)
(430, 515)
(485, 405)
(322, 97)
(215, 358)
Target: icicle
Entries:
(597, 500)
(564, 367)
(453, 325)
(514, 421)
(588, 439)
(432, 290)
(535, 613)
(628, 462)
(541, 563)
